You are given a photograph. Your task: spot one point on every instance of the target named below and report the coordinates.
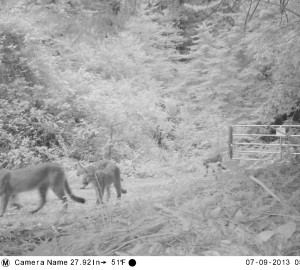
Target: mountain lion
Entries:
(103, 179)
(214, 159)
(89, 171)
(40, 177)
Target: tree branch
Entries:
(254, 10)
(245, 25)
(214, 10)
(274, 4)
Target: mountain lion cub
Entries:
(89, 171)
(103, 179)
(40, 177)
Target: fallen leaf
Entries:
(238, 216)
(214, 213)
(265, 235)
(287, 229)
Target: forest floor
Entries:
(21, 232)
(224, 213)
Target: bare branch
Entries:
(286, 3)
(214, 10)
(278, 5)
(269, 191)
(234, 3)
(284, 7)
(245, 25)
(254, 10)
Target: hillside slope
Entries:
(75, 79)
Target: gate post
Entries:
(230, 139)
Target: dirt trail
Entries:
(19, 226)
(136, 188)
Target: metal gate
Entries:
(249, 146)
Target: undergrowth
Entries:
(223, 214)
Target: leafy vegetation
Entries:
(156, 84)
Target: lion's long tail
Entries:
(72, 196)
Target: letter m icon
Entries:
(5, 262)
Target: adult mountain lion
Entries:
(40, 177)
(102, 180)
